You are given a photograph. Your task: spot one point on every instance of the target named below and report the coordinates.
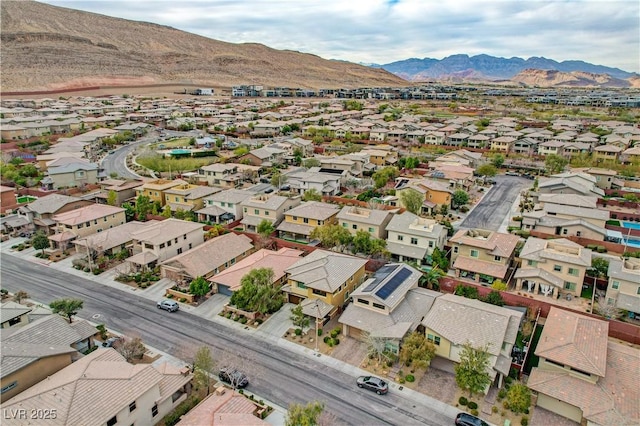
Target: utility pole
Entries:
(317, 320)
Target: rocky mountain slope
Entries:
(553, 78)
(46, 47)
(486, 67)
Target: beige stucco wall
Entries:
(559, 407)
(33, 374)
(96, 225)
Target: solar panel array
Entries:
(380, 275)
(391, 285)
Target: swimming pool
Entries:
(632, 243)
(632, 225)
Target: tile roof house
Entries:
(222, 175)
(124, 190)
(154, 189)
(229, 280)
(482, 256)
(223, 206)
(301, 220)
(41, 211)
(571, 183)
(582, 375)
(187, 197)
(324, 181)
(412, 238)
(454, 320)
(550, 267)
(102, 388)
(85, 221)
(355, 218)
(207, 259)
(327, 276)
(388, 305)
(112, 240)
(70, 172)
(623, 290)
(224, 407)
(434, 192)
(270, 207)
(13, 314)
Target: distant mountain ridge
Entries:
(490, 67)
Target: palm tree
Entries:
(432, 278)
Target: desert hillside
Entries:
(46, 47)
(552, 78)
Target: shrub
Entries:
(494, 409)
(243, 320)
(259, 321)
(505, 405)
(298, 331)
(524, 421)
(183, 299)
(319, 332)
(463, 401)
(389, 363)
(502, 393)
(401, 380)
(169, 296)
(335, 332)
(474, 412)
(472, 405)
(336, 341)
(410, 378)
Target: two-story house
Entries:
(208, 258)
(41, 211)
(123, 189)
(433, 192)
(70, 172)
(301, 220)
(154, 189)
(85, 221)
(270, 207)
(571, 183)
(412, 238)
(389, 305)
(188, 197)
(482, 256)
(584, 376)
(222, 175)
(623, 290)
(324, 181)
(325, 276)
(265, 156)
(454, 321)
(355, 218)
(552, 267)
(163, 240)
(224, 206)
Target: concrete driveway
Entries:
(212, 307)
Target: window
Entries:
(474, 253)
(319, 292)
(414, 241)
(344, 225)
(184, 237)
(497, 258)
(132, 406)
(578, 233)
(256, 211)
(175, 240)
(14, 321)
(295, 218)
(569, 286)
(190, 246)
(266, 212)
(305, 220)
(532, 263)
(105, 219)
(565, 231)
(573, 271)
(371, 230)
(433, 339)
(95, 222)
(638, 290)
(455, 249)
(168, 243)
(9, 387)
(88, 224)
(112, 421)
(354, 226)
(557, 268)
(162, 245)
(154, 410)
(378, 305)
(364, 302)
(301, 285)
(180, 250)
(430, 244)
(245, 209)
(615, 285)
(400, 238)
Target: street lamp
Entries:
(317, 319)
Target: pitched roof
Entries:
(165, 230)
(575, 340)
(113, 237)
(496, 243)
(363, 215)
(11, 310)
(50, 330)
(325, 270)
(223, 409)
(314, 210)
(51, 203)
(17, 355)
(493, 269)
(561, 249)
(86, 214)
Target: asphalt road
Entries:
(275, 374)
(496, 204)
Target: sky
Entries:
(603, 32)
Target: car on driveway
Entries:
(234, 377)
(465, 419)
(374, 384)
(111, 341)
(168, 305)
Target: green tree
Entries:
(382, 176)
(304, 415)
(361, 242)
(112, 198)
(472, 372)
(468, 291)
(240, 151)
(330, 235)
(298, 318)
(411, 200)
(352, 105)
(265, 228)
(199, 287)
(518, 398)
(488, 170)
(311, 195)
(499, 285)
(257, 292)
(28, 170)
(40, 241)
(166, 211)
(143, 207)
(460, 198)
(439, 258)
(555, 164)
(129, 211)
(494, 298)
(203, 364)
(599, 267)
(497, 160)
(417, 351)
(432, 278)
(311, 162)
(66, 307)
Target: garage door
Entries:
(356, 333)
(224, 289)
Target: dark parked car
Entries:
(372, 383)
(111, 341)
(233, 377)
(465, 419)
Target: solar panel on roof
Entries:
(380, 275)
(391, 285)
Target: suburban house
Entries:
(35, 351)
(8, 198)
(552, 267)
(482, 256)
(41, 211)
(324, 181)
(154, 190)
(163, 240)
(187, 197)
(433, 192)
(301, 220)
(325, 276)
(221, 175)
(623, 290)
(412, 238)
(571, 183)
(270, 207)
(205, 260)
(381, 157)
(355, 218)
(454, 321)
(125, 393)
(582, 375)
(229, 280)
(265, 156)
(604, 177)
(223, 206)
(82, 222)
(13, 314)
(389, 305)
(70, 172)
(125, 190)
(224, 407)
(556, 207)
(113, 240)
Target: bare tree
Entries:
(130, 348)
(608, 311)
(203, 367)
(376, 347)
(20, 296)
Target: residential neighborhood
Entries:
(375, 238)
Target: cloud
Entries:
(382, 31)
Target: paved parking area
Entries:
(212, 307)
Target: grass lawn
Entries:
(176, 165)
(587, 293)
(532, 360)
(173, 143)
